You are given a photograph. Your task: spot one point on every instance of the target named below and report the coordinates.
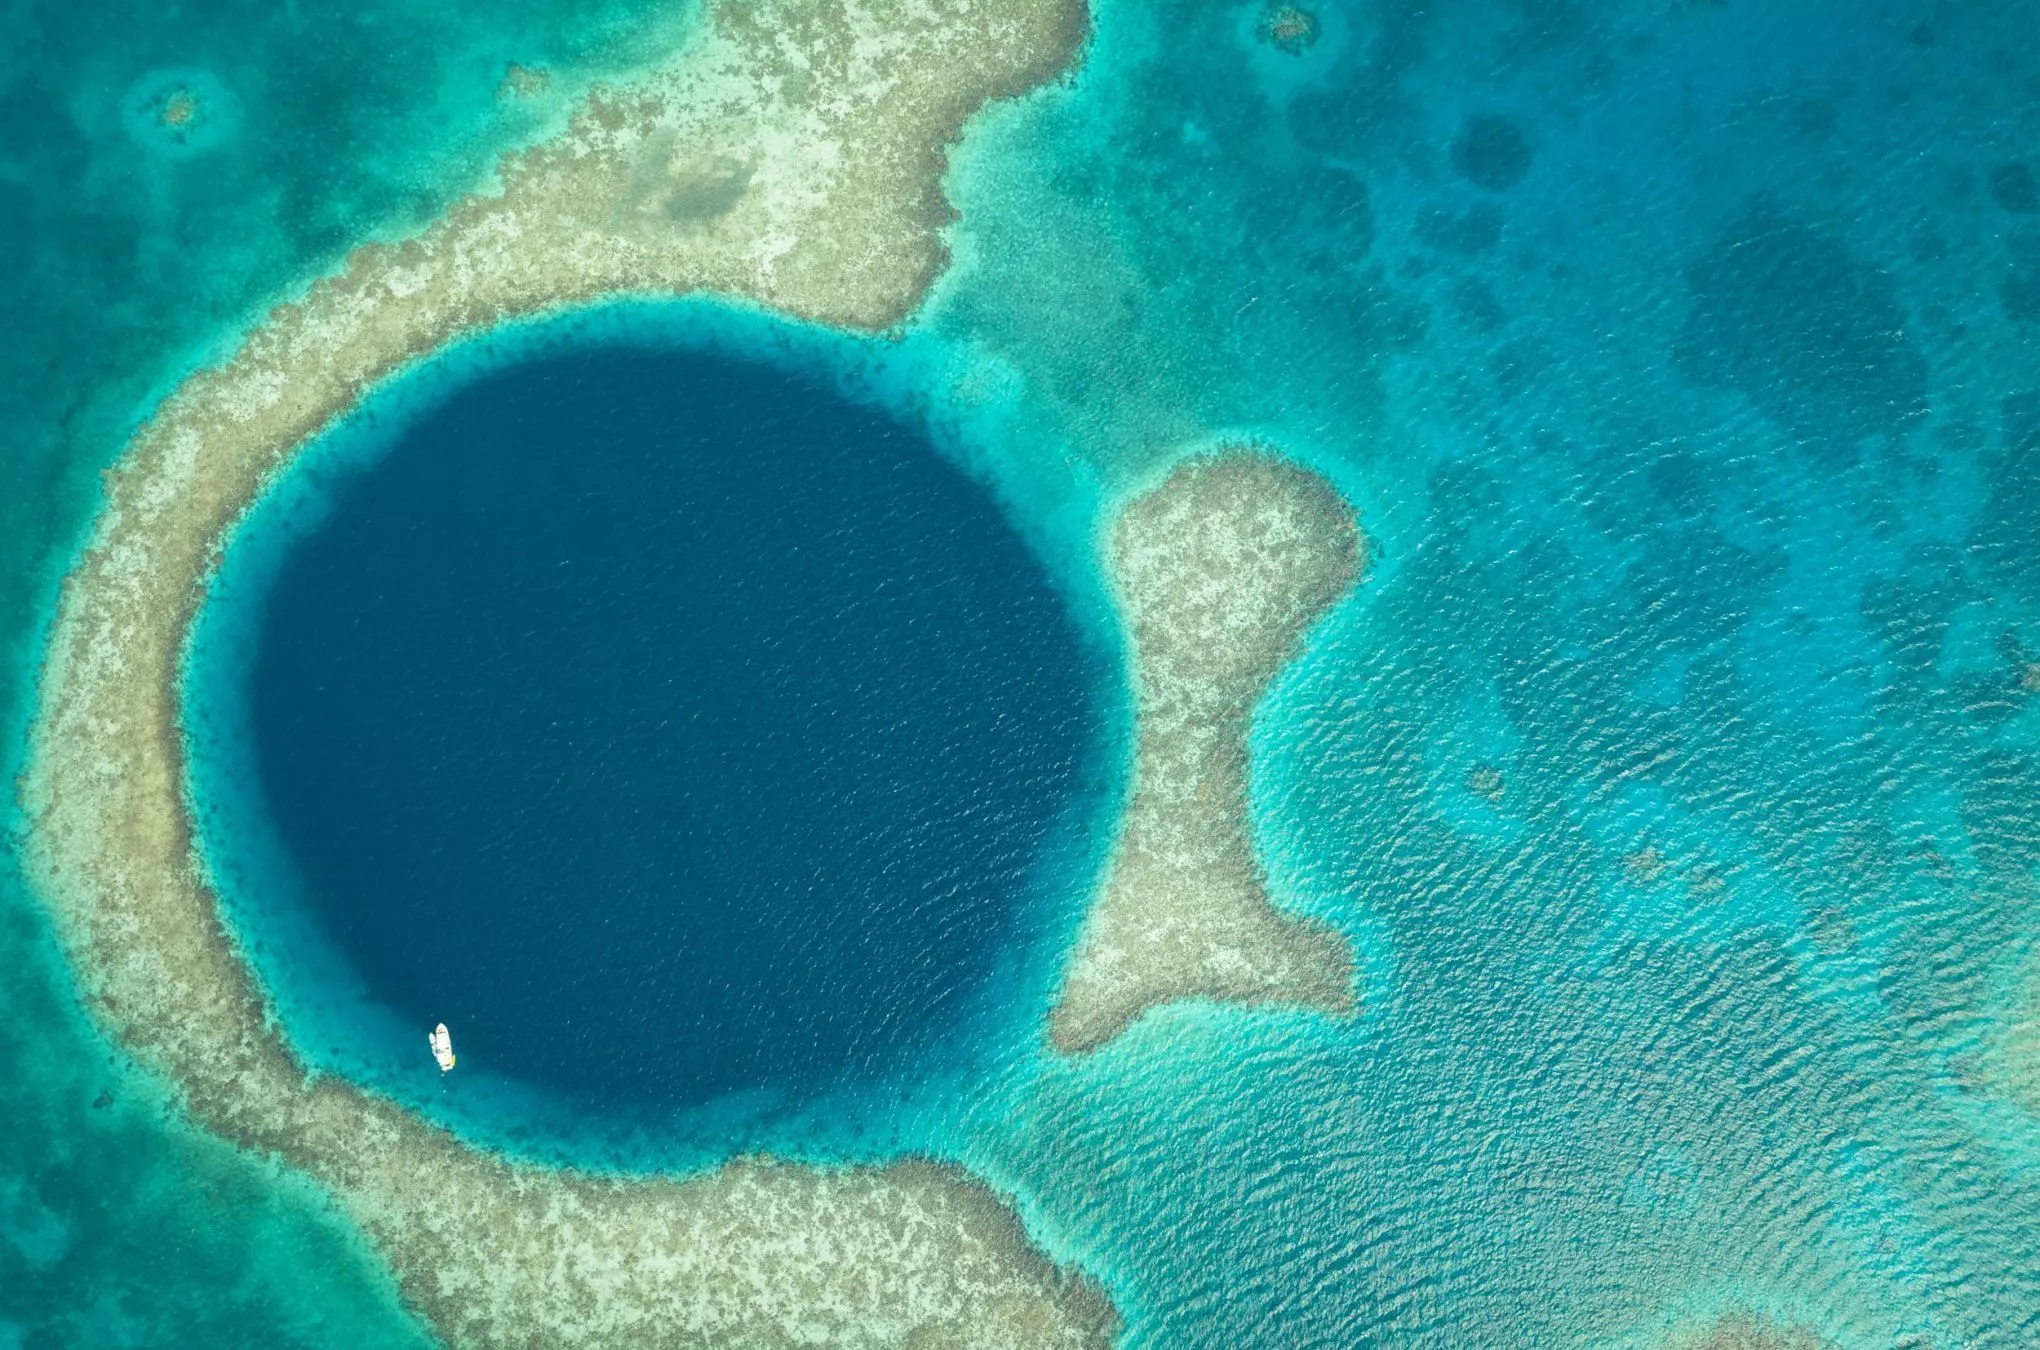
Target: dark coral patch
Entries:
(2013, 187)
(2020, 294)
(1491, 152)
(1679, 481)
(1474, 301)
(1815, 339)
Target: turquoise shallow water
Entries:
(1674, 771)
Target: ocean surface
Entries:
(1676, 770)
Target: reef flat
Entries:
(1218, 571)
(790, 156)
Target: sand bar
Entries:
(1218, 572)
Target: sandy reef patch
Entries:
(1218, 573)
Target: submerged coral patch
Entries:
(1289, 28)
(2015, 188)
(179, 113)
(1740, 1329)
(1816, 339)
(1491, 152)
(521, 82)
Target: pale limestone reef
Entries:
(1218, 573)
(790, 155)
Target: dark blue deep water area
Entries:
(669, 725)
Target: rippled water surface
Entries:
(1676, 770)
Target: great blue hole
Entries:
(670, 725)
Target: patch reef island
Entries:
(1218, 572)
(790, 155)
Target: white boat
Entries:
(441, 1041)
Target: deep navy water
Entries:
(669, 725)
(1676, 771)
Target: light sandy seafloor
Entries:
(790, 155)
(1218, 571)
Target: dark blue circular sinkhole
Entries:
(669, 725)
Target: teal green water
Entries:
(1676, 771)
